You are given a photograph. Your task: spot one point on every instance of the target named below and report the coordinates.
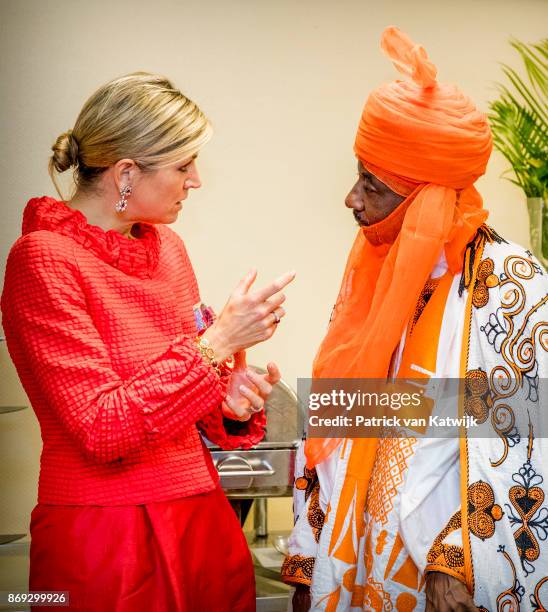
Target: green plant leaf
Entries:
(519, 119)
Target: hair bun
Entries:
(65, 152)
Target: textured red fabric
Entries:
(100, 329)
(150, 558)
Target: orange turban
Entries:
(426, 141)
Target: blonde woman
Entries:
(124, 366)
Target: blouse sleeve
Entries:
(45, 316)
(230, 434)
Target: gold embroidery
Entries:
(298, 569)
(528, 515)
(510, 598)
(533, 498)
(447, 558)
(474, 249)
(316, 516)
(485, 280)
(535, 598)
(477, 397)
(307, 482)
(482, 510)
(424, 298)
(517, 349)
(482, 514)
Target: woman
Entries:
(124, 365)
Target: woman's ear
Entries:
(125, 172)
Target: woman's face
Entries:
(157, 196)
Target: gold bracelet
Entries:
(208, 354)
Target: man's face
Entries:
(370, 200)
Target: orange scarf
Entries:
(428, 142)
(421, 349)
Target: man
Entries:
(418, 522)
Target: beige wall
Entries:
(284, 83)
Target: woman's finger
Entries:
(245, 283)
(274, 374)
(274, 317)
(238, 412)
(271, 320)
(279, 314)
(256, 400)
(274, 287)
(259, 380)
(275, 301)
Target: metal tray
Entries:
(256, 472)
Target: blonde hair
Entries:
(140, 116)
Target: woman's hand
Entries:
(447, 594)
(248, 390)
(249, 317)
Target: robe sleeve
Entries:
(309, 519)
(430, 498)
(446, 554)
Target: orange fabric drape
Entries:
(426, 141)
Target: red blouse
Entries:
(101, 329)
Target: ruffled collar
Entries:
(134, 257)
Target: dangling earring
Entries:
(121, 205)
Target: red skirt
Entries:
(185, 555)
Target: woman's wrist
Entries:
(218, 343)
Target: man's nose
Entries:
(353, 200)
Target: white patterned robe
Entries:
(424, 490)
